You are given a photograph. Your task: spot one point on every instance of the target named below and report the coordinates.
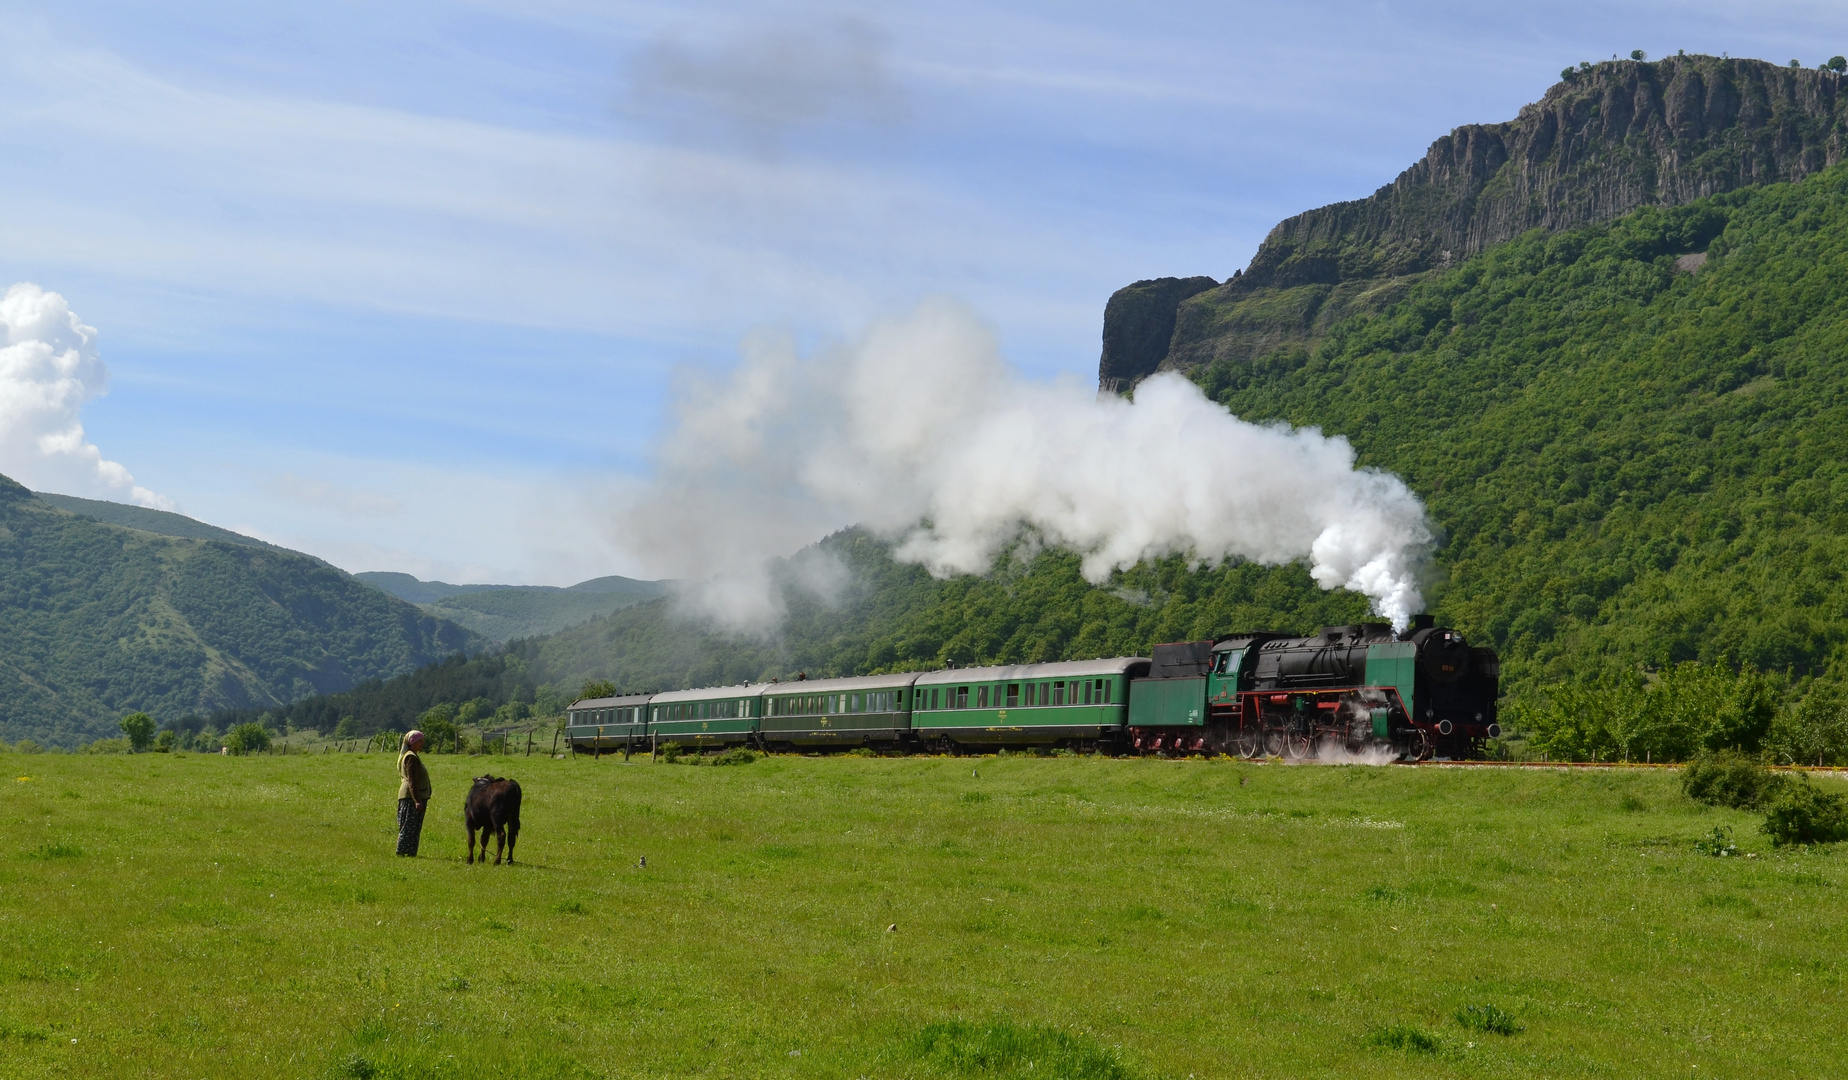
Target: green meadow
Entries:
(202, 916)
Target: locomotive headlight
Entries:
(1494, 731)
(1443, 727)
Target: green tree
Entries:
(139, 727)
(1638, 54)
(597, 688)
(439, 728)
(1814, 732)
(249, 738)
(1837, 63)
(166, 742)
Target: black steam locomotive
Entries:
(1350, 690)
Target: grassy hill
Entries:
(102, 620)
(196, 915)
(507, 612)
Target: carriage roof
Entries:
(1064, 669)
(895, 681)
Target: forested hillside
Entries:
(1607, 139)
(1635, 456)
(502, 613)
(100, 620)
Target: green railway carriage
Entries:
(1069, 703)
(710, 716)
(873, 709)
(607, 724)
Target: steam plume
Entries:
(49, 369)
(922, 422)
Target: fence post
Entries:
(598, 756)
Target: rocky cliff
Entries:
(1611, 138)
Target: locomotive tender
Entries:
(1355, 690)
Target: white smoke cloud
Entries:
(922, 422)
(49, 369)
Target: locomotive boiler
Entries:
(1349, 690)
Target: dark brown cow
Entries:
(493, 806)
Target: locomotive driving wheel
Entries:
(1250, 742)
(1297, 745)
(1423, 746)
(1273, 741)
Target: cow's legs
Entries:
(513, 835)
(471, 845)
(500, 843)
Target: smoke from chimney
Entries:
(920, 432)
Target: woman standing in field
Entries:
(413, 793)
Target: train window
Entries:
(981, 697)
(1087, 692)
(962, 697)
(1106, 684)
(1058, 693)
(936, 697)
(1013, 695)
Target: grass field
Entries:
(188, 915)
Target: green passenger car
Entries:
(711, 716)
(607, 724)
(1074, 702)
(874, 709)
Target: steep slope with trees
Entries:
(103, 620)
(1608, 139)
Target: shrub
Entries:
(1005, 1049)
(736, 756)
(1718, 843)
(1406, 1037)
(1489, 1018)
(670, 753)
(1730, 779)
(166, 742)
(1805, 814)
(107, 746)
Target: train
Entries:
(1355, 692)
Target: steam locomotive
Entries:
(1357, 690)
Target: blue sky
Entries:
(408, 286)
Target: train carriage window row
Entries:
(1018, 695)
(837, 704)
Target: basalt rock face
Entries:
(1619, 136)
(1138, 324)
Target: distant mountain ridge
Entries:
(505, 612)
(1610, 139)
(101, 619)
(161, 522)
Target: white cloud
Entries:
(49, 369)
